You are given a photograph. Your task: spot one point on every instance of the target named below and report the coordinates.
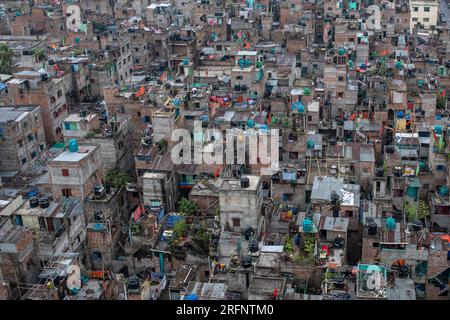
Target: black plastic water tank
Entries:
(43, 202)
(34, 202)
(339, 282)
(248, 233)
(98, 215)
(245, 182)
(246, 262)
(379, 172)
(253, 245)
(373, 228)
(133, 283)
(339, 243)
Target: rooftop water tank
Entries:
(422, 165)
(253, 246)
(246, 262)
(307, 225)
(43, 202)
(438, 129)
(73, 145)
(400, 114)
(373, 228)
(443, 191)
(34, 202)
(245, 182)
(251, 123)
(390, 223)
(310, 144)
(264, 128)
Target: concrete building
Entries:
(34, 88)
(424, 12)
(18, 260)
(76, 172)
(21, 136)
(104, 213)
(159, 188)
(57, 226)
(112, 137)
(240, 203)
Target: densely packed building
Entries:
(128, 131)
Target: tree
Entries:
(411, 212)
(187, 207)
(39, 53)
(423, 210)
(6, 60)
(162, 144)
(440, 102)
(117, 179)
(179, 229)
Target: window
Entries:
(415, 9)
(65, 172)
(96, 255)
(238, 77)
(340, 94)
(440, 167)
(236, 222)
(155, 203)
(292, 137)
(426, 19)
(66, 192)
(287, 196)
(52, 100)
(426, 9)
(293, 155)
(59, 93)
(70, 126)
(20, 143)
(415, 19)
(341, 78)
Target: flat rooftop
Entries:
(68, 156)
(235, 184)
(75, 117)
(15, 113)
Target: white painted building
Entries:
(425, 12)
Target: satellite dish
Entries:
(73, 20)
(74, 278)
